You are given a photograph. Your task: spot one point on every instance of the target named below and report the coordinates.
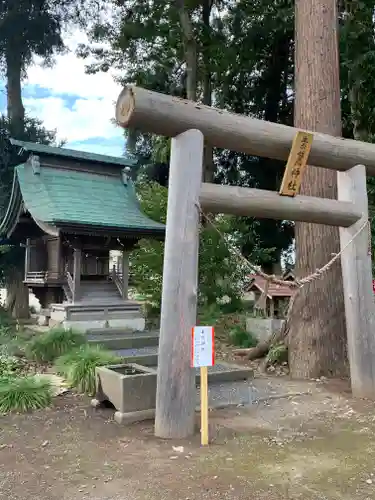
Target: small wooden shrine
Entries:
(275, 304)
(70, 209)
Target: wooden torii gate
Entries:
(190, 124)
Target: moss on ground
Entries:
(330, 465)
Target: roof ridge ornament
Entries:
(34, 161)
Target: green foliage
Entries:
(20, 394)
(278, 353)
(209, 315)
(9, 365)
(5, 318)
(78, 367)
(12, 340)
(146, 261)
(34, 27)
(221, 273)
(48, 346)
(12, 257)
(229, 328)
(241, 338)
(145, 43)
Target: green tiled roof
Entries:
(42, 149)
(71, 197)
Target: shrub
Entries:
(278, 353)
(47, 347)
(10, 366)
(5, 334)
(241, 338)
(5, 317)
(78, 367)
(22, 394)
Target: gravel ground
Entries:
(312, 447)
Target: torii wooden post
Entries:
(357, 281)
(175, 396)
(166, 115)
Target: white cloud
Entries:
(85, 119)
(91, 113)
(68, 75)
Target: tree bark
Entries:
(208, 161)
(17, 301)
(317, 335)
(190, 49)
(15, 108)
(18, 293)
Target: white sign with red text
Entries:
(202, 346)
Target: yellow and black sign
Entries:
(296, 164)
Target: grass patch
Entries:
(239, 337)
(10, 366)
(20, 394)
(47, 347)
(229, 327)
(78, 367)
(278, 353)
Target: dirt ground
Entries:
(312, 447)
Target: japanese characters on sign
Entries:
(296, 164)
(202, 346)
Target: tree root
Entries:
(262, 348)
(252, 353)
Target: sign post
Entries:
(203, 356)
(296, 164)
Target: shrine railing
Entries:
(117, 280)
(36, 277)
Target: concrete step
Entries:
(98, 298)
(99, 333)
(100, 295)
(92, 289)
(110, 286)
(94, 286)
(122, 306)
(126, 342)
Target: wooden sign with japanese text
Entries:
(202, 346)
(296, 163)
(203, 356)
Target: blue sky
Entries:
(78, 106)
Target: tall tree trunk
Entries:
(209, 165)
(317, 336)
(17, 296)
(18, 293)
(15, 108)
(190, 48)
